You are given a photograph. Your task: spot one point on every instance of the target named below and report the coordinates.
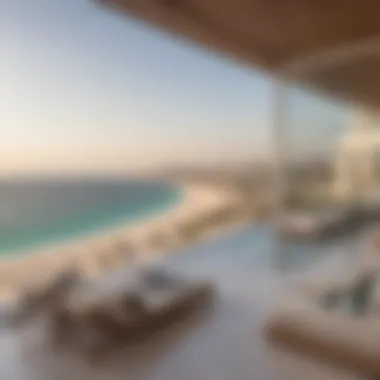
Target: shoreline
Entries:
(130, 244)
(93, 230)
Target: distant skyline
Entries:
(85, 89)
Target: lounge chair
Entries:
(45, 297)
(153, 303)
(339, 325)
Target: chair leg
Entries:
(61, 329)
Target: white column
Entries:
(355, 166)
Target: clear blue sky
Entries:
(83, 88)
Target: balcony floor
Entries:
(225, 343)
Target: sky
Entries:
(86, 89)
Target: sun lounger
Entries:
(45, 297)
(339, 325)
(133, 312)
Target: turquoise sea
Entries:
(39, 212)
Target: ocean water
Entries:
(36, 213)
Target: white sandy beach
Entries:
(92, 253)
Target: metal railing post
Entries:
(280, 169)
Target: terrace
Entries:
(327, 47)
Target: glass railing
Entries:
(328, 161)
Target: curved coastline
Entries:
(98, 220)
(102, 249)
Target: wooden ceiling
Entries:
(279, 35)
